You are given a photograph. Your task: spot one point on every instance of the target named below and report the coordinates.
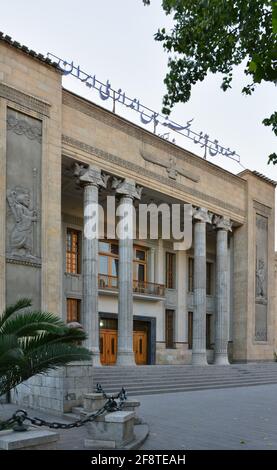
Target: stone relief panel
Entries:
(261, 275)
(24, 135)
(21, 235)
(23, 199)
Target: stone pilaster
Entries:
(91, 179)
(3, 139)
(199, 354)
(128, 191)
(223, 225)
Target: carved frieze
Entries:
(22, 127)
(111, 158)
(170, 163)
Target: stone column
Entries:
(199, 354)
(223, 225)
(91, 179)
(128, 191)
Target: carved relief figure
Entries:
(21, 237)
(260, 279)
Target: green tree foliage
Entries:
(215, 36)
(33, 342)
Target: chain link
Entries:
(110, 406)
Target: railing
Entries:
(107, 282)
(142, 287)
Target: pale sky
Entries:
(114, 40)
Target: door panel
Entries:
(108, 347)
(140, 347)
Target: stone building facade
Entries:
(141, 301)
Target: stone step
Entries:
(189, 381)
(144, 380)
(185, 373)
(118, 383)
(129, 387)
(204, 386)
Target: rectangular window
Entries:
(190, 329)
(209, 278)
(170, 270)
(209, 267)
(208, 331)
(109, 263)
(190, 274)
(73, 252)
(169, 329)
(73, 310)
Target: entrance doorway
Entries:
(108, 342)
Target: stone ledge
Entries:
(28, 439)
(119, 416)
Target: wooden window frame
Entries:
(170, 329)
(112, 256)
(190, 329)
(190, 274)
(136, 261)
(170, 270)
(209, 276)
(73, 258)
(208, 330)
(77, 318)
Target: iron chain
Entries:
(111, 405)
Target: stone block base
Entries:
(58, 391)
(113, 430)
(33, 439)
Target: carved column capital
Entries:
(222, 223)
(90, 175)
(127, 188)
(201, 214)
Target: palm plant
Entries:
(33, 342)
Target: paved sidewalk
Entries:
(233, 418)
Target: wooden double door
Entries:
(108, 347)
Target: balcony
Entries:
(141, 289)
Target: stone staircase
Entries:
(145, 380)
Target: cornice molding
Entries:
(23, 262)
(129, 128)
(262, 208)
(110, 158)
(29, 102)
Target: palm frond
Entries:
(48, 357)
(30, 323)
(10, 353)
(34, 342)
(11, 309)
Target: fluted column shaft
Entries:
(90, 179)
(199, 354)
(90, 273)
(125, 354)
(128, 191)
(222, 312)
